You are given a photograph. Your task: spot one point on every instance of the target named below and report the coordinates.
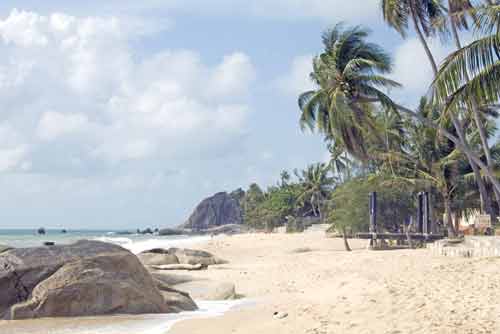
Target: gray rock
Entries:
(217, 210)
(171, 256)
(155, 257)
(191, 256)
(83, 279)
(172, 231)
(177, 301)
(208, 290)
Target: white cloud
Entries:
(24, 29)
(232, 75)
(53, 125)
(412, 68)
(12, 158)
(359, 10)
(297, 80)
(74, 83)
(326, 10)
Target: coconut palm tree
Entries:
(423, 13)
(347, 74)
(317, 185)
(457, 19)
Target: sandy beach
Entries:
(327, 290)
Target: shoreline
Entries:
(120, 324)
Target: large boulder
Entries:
(83, 279)
(217, 210)
(157, 257)
(160, 256)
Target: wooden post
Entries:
(432, 228)
(425, 213)
(373, 218)
(373, 212)
(420, 212)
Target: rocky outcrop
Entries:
(217, 210)
(173, 231)
(83, 279)
(173, 256)
(223, 229)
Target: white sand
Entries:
(329, 290)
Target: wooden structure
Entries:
(425, 229)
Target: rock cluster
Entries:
(83, 279)
(160, 256)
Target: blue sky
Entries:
(125, 114)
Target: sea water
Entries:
(134, 242)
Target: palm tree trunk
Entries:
(484, 143)
(448, 217)
(313, 199)
(320, 212)
(486, 201)
(423, 41)
(479, 124)
(346, 243)
(479, 181)
(461, 145)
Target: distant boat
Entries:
(64, 231)
(41, 231)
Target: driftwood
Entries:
(180, 266)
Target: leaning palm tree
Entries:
(459, 12)
(472, 72)
(317, 185)
(349, 76)
(423, 13)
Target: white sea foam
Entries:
(141, 245)
(140, 324)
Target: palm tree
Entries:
(435, 160)
(317, 185)
(457, 19)
(423, 13)
(347, 74)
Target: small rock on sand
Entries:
(280, 315)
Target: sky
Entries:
(124, 114)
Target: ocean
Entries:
(136, 243)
